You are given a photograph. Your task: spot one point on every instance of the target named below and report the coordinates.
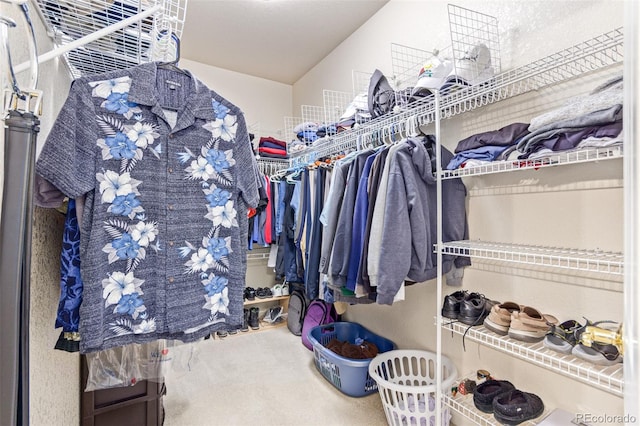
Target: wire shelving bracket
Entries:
(312, 113)
(91, 28)
(469, 28)
(360, 81)
(335, 103)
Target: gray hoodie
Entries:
(410, 222)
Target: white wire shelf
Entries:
(561, 158)
(463, 404)
(146, 40)
(607, 378)
(270, 166)
(598, 261)
(594, 54)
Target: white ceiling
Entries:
(278, 40)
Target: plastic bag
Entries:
(127, 365)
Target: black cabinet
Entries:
(138, 405)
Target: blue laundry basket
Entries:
(350, 376)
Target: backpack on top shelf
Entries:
(295, 311)
(319, 312)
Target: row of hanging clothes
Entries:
(357, 228)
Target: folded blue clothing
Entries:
(486, 153)
(327, 130)
(307, 136)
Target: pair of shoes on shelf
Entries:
(280, 290)
(250, 293)
(263, 293)
(508, 404)
(468, 308)
(599, 342)
(520, 322)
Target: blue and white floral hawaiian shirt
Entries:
(163, 234)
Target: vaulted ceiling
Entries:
(278, 40)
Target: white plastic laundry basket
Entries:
(407, 386)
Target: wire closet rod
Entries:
(91, 37)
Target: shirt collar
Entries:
(143, 91)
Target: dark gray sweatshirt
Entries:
(410, 222)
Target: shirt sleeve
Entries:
(248, 170)
(67, 159)
(395, 248)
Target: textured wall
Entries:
(54, 375)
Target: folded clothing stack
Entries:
(306, 132)
(272, 148)
(586, 122)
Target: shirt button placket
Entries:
(171, 205)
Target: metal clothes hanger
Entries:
(173, 64)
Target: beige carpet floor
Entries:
(262, 378)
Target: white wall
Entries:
(264, 102)
(578, 206)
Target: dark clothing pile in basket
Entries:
(364, 350)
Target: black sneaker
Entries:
(250, 293)
(515, 407)
(451, 305)
(487, 391)
(474, 309)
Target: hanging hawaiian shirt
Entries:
(168, 172)
(68, 314)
